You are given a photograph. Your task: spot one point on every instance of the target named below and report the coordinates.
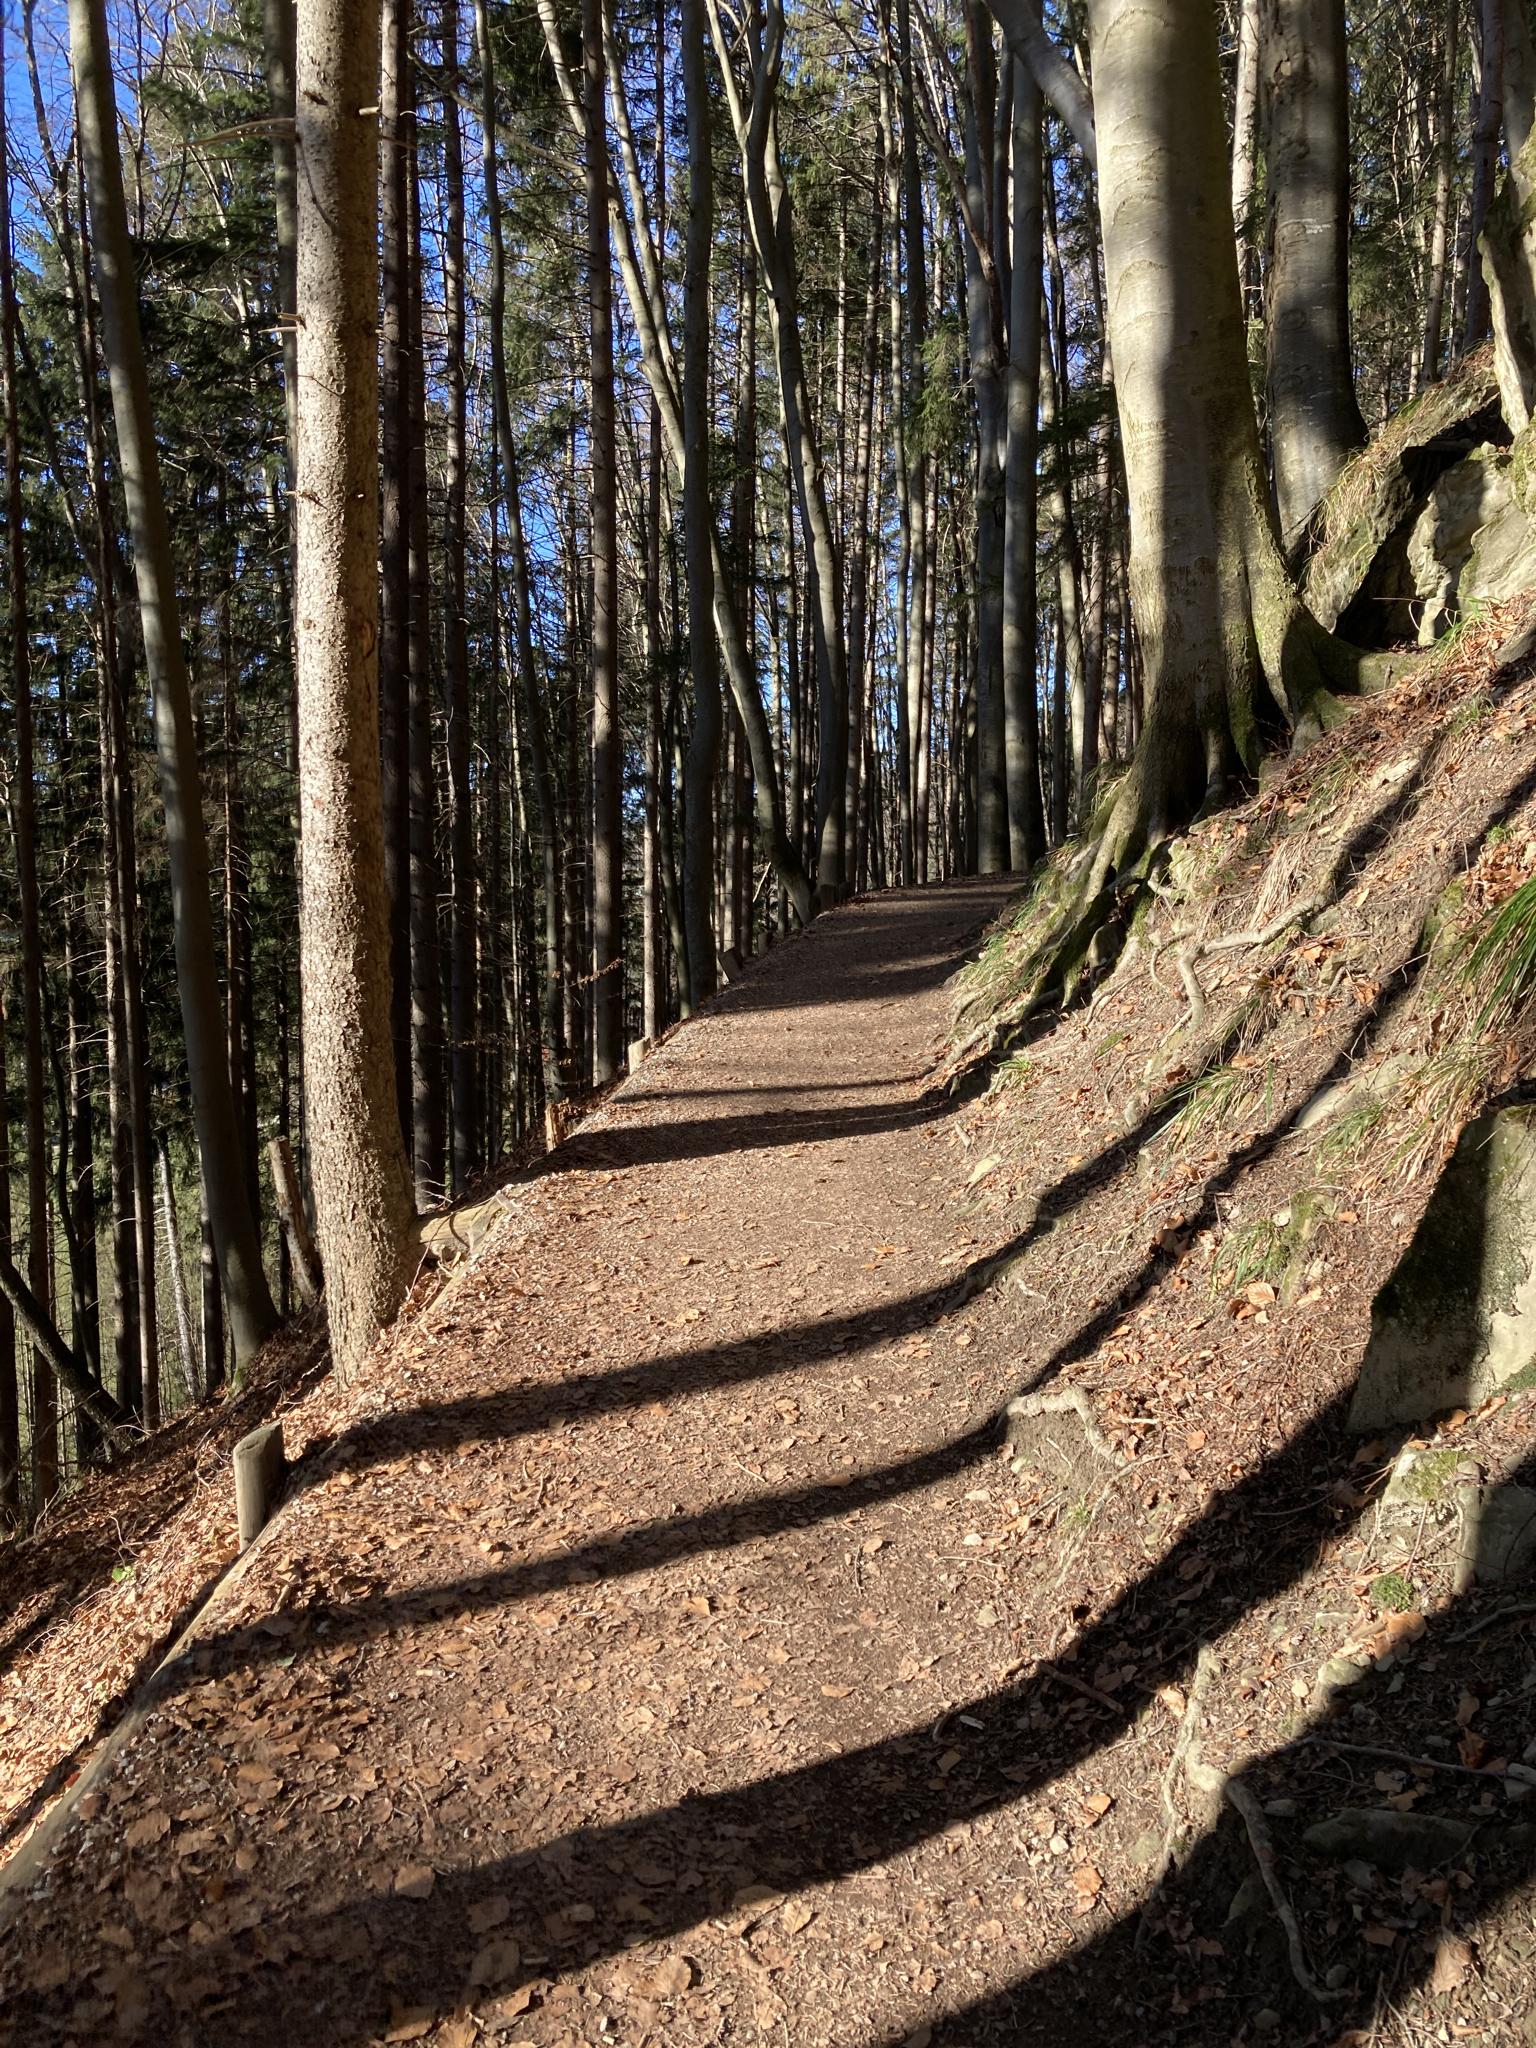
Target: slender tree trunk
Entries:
(1440, 225)
(1245, 132)
(394, 536)
(703, 755)
(234, 1229)
(1314, 419)
(178, 1271)
(45, 1423)
(463, 1006)
(1485, 165)
(982, 320)
(607, 740)
(914, 649)
(1026, 828)
(535, 725)
(359, 1170)
(10, 1388)
(428, 1132)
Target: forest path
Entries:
(601, 1683)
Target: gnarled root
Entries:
(1065, 1401)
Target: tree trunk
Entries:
(771, 214)
(982, 322)
(428, 1133)
(1026, 827)
(394, 536)
(178, 1271)
(463, 1006)
(1216, 609)
(1485, 164)
(45, 1424)
(239, 1251)
(1440, 223)
(1314, 420)
(702, 762)
(1245, 130)
(358, 1165)
(535, 725)
(607, 740)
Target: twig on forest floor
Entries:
(1089, 1692)
(1521, 1610)
(1520, 1774)
(1263, 1847)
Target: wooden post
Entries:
(290, 1210)
(260, 1469)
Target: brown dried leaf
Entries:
(1453, 1959)
(153, 1826)
(414, 1880)
(489, 1912)
(495, 1962)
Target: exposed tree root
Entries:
(1066, 1401)
(1263, 1847)
(1190, 950)
(1189, 1722)
(1214, 1785)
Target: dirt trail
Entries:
(608, 1678)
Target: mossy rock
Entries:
(1456, 1320)
(1379, 489)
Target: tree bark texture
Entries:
(361, 1179)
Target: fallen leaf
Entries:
(1098, 1804)
(670, 1979)
(411, 2024)
(153, 1826)
(1452, 1961)
(414, 1880)
(797, 1916)
(1466, 1709)
(487, 1913)
(1380, 1937)
(495, 1962)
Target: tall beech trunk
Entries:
(1490, 21)
(463, 1003)
(45, 1422)
(983, 319)
(1440, 219)
(535, 724)
(394, 535)
(607, 741)
(1026, 826)
(428, 1132)
(1217, 612)
(361, 1179)
(252, 1315)
(1245, 135)
(701, 766)
(1314, 419)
